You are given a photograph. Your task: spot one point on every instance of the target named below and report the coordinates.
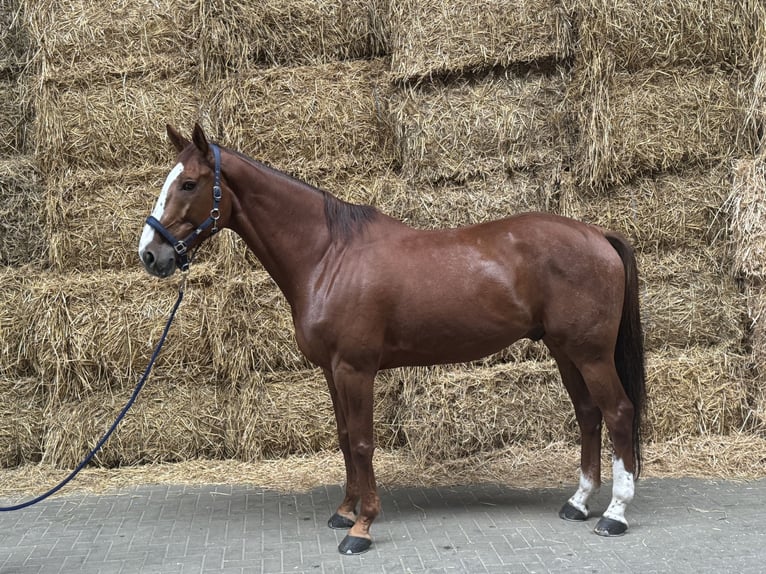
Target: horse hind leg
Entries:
(589, 420)
(618, 411)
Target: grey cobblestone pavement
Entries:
(678, 526)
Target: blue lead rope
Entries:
(125, 409)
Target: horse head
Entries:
(192, 206)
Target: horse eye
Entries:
(188, 185)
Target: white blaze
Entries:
(159, 208)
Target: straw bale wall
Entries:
(644, 117)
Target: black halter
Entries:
(182, 246)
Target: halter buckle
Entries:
(180, 248)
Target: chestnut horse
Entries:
(368, 292)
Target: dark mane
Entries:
(344, 220)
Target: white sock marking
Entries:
(580, 498)
(622, 492)
(147, 235)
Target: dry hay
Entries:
(667, 33)
(15, 324)
(747, 206)
(14, 39)
(656, 120)
(449, 413)
(238, 35)
(671, 210)
(22, 214)
(308, 120)
(730, 457)
(21, 421)
(251, 327)
(430, 38)
(688, 298)
(87, 41)
(95, 216)
(290, 412)
(472, 126)
(171, 421)
(15, 117)
(696, 392)
(114, 124)
(756, 307)
(98, 330)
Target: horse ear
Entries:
(200, 139)
(178, 141)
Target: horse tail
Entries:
(629, 351)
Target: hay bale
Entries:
(453, 412)
(468, 127)
(290, 412)
(308, 120)
(238, 35)
(14, 39)
(253, 329)
(15, 323)
(747, 207)
(21, 421)
(665, 211)
(667, 33)
(696, 391)
(689, 299)
(656, 120)
(114, 124)
(22, 213)
(99, 330)
(170, 421)
(88, 41)
(15, 117)
(756, 311)
(430, 38)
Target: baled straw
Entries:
(667, 33)
(172, 421)
(469, 127)
(756, 310)
(449, 413)
(290, 412)
(656, 120)
(696, 392)
(747, 206)
(21, 421)
(14, 36)
(86, 41)
(15, 117)
(432, 38)
(13, 321)
(238, 35)
(671, 210)
(114, 124)
(98, 330)
(22, 214)
(309, 121)
(689, 298)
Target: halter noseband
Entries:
(182, 246)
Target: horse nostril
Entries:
(148, 258)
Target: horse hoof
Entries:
(338, 522)
(610, 527)
(354, 545)
(569, 512)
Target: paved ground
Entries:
(678, 526)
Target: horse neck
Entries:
(280, 219)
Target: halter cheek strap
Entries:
(182, 247)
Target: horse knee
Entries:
(362, 450)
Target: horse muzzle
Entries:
(159, 260)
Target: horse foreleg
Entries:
(355, 395)
(589, 420)
(345, 516)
